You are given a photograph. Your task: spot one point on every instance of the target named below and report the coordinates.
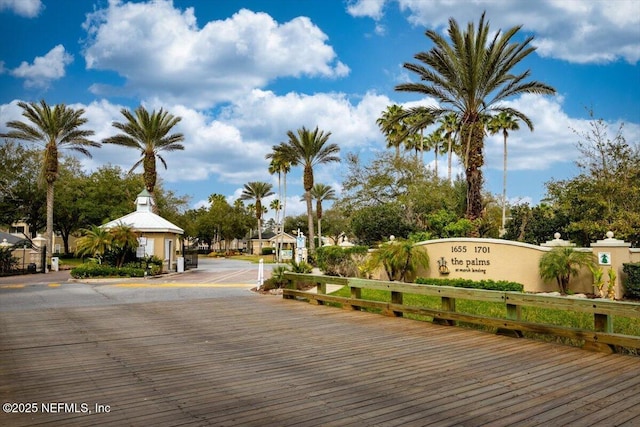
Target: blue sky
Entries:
(242, 73)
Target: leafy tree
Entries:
(149, 134)
(535, 224)
(335, 223)
(56, 128)
(562, 263)
(321, 192)
(71, 196)
(110, 194)
(21, 198)
(308, 148)
(606, 194)
(294, 223)
(376, 223)
(503, 122)
(257, 191)
(471, 75)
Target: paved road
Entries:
(212, 279)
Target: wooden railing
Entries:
(601, 337)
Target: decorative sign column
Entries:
(611, 254)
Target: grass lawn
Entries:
(621, 325)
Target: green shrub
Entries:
(300, 267)
(339, 261)
(492, 285)
(632, 281)
(90, 270)
(267, 251)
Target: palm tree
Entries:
(399, 258)
(276, 206)
(308, 149)
(55, 128)
(123, 240)
(321, 192)
(257, 191)
(504, 122)
(562, 263)
(282, 166)
(417, 120)
(434, 142)
(472, 75)
(391, 125)
(450, 127)
(148, 133)
(95, 241)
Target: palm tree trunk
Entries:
(475, 159)
(284, 209)
(312, 245)
(278, 244)
(259, 237)
(49, 231)
(436, 157)
(504, 185)
(449, 153)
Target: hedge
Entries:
(632, 282)
(491, 285)
(90, 270)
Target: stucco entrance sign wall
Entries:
(498, 259)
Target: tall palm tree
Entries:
(417, 119)
(471, 74)
(257, 191)
(450, 127)
(55, 128)
(504, 122)
(392, 127)
(308, 149)
(321, 192)
(434, 142)
(282, 166)
(276, 206)
(150, 134)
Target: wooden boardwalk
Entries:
(261, 360)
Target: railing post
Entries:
(396, 298)
(514, 312)
(321, 289)
(603, 323)
(356, 293)
(291, 284)
(447, 304)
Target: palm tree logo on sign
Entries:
(604, 258)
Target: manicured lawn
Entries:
(621, 325)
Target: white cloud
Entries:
(597, 31)
(44, 69)
(366, 8)
(160, 50)
(26, 8)
(265, 116)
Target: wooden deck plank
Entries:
(267, 361)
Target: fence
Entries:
(601, 337)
